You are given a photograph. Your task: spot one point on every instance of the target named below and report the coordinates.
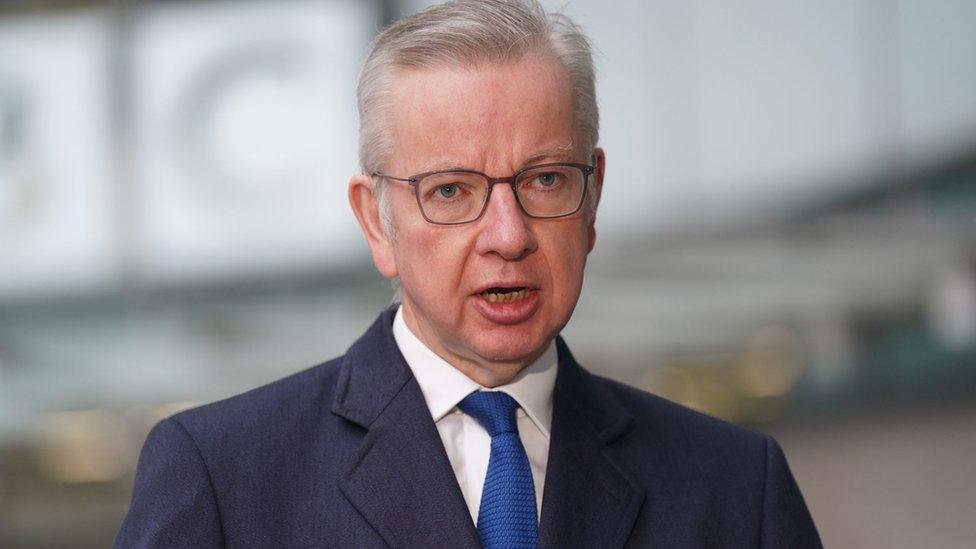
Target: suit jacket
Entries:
(346, 454)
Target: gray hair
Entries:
(466, 33)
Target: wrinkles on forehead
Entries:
(524, 110)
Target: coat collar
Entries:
(403, 484)
(373, 372)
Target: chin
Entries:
(512, 350)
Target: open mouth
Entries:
(505, 295)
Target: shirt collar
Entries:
(444, 386)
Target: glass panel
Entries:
(551, 190)
(452, 197)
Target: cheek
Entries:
(566, 262)
(431, 259)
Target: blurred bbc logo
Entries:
(54, 154)
(176, 142)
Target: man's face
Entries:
(497, 119)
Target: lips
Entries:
(507, 303)
(505, 295)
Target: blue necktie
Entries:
(507, 515)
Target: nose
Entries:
(504, 228)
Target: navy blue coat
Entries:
(346, 454)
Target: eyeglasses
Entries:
(453, 197)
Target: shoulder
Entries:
(230, 462)
(703, 462)
(647, 407)
(722, 480)
(266, 427)
(289, 408)
(712, 443)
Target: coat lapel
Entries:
(401, 480)
(589, 501)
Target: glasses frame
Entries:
(414, 180)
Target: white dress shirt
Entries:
(467, 443)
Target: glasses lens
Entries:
(452, 197)
(551, 191)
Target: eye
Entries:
(447, 191)
(547, 179)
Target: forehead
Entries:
(488, 115)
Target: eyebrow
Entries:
(557, 153)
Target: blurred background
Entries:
(787, 236)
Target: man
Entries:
(460, 418)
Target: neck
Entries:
(488, 376)
(484, 371)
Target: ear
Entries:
(365, 205)
(600, 158)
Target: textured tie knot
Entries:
(494, 410)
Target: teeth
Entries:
(506, 297)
